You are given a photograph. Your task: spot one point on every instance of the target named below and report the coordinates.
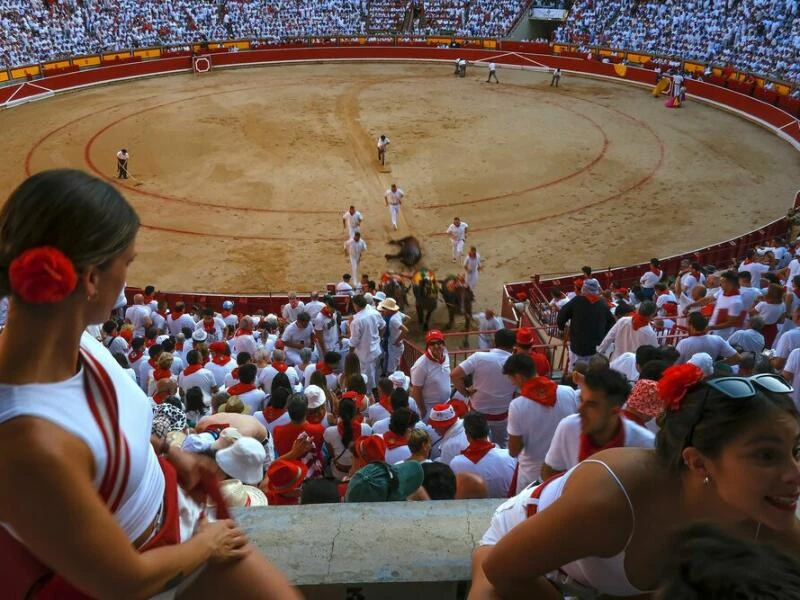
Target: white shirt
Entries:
(625, 363)
(244, 343)
(396, 455)
(394, 197)
(175, 326)
(793, 366)
(787, 342)
(496, 468)
(344, 288)
(726, 307)
(289, 312)
(353, 221)
(264, 379)
(313, 308)
(650, 279)
(254, 399)
(494, 391)
(563, 452)
(755, 269)
(486, 340)
(457, 234)
(355, 248)
(771, 313)
(713, 345)
(536, 424)
(382, 143)
(326, 327)
(626, 339)
(340, 454)
(137, 314)
(219, 371)
(282, 420)
(123, 155)
(451, 444)
(365, 337)
(295, 335)
(204, 379)
(433, 378)
(508, 515)
(749, 295)
(492, 67)
(218, 334)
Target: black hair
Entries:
(610, 382)
(155, 351)
(645, 353)
(504, 338)
(297, 407)
(194, 399)
(82, 216)
(476, 426)
(402, 420)
(653, 369)
(385, 386)
(399, 399)
(731, 277)
(281, 380)
(137, 343)
(187, 332)
(243, 358)
(332, 358)
(193, 357)
(149, 289)
(359, 301)
(745, 275)
(668, 353)
(439, 481)
(247, 373)
(279, 398)
(712, 420)
(174, 401)
(706, 563)
(168, 345)
(647, 308)
(150, 333)
(109, 326)
(698, 321)
(355, 383)
(622, 309)
(520, 364)
(347, 412)
(320, 491)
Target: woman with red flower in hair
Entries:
(88, 509)
(726, 453)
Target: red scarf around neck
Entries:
(655, 271)
(323, 368)
(280, 367)
(431, 358)
(148, 299)
(192, 369)
(326, 311)
(592, 298)
(393, 440)
(179, 346)
(175, 315)
(221, 360)
(477, 449)
(149, 342)
(210, 327)
(587, 447)
(153, 362)
(540, 389)
(638, 321)
(134, 356)
(240, 388)
(271, 413)
(159, 397)
(159, 374)
(235, 373)
(225, 314)
(240, 332)
(386, 402)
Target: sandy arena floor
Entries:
(246, 172)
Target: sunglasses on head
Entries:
(739, 388)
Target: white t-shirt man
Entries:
(254, 399)
(756, 269)
(394, 197)
(220, 371)
(713, 345)
(563, 452)
(451, 444)
(352, 221)
(536, 424)
(496, 468)
(726, 307)
(325, 328)
(355, 248)
(137, 315)
(203, 378)
(264, 379)
(486, 340)
(434, 379)
(295, 335)
(458, 235)
(627, 339)
(289, 312)
(493, 390)
(176, 325)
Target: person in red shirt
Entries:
(285, 435)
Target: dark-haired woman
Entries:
(726, 453)
(83, 490)
(340, 437)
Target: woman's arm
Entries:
(62, 520)
(591, 518)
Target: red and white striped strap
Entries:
(102, 399)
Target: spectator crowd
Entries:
(757, 36)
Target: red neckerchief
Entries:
(235, 373)
(192, 369)
(655, 271)
(638, 321)
(540, 389)
(163, 313)
(670, 308)
(477, 449)
(430, 356)
(294, 303)
(240, 332)
(148, 299)
(159, 397)
(271, 413)
(210, 327)
(355, 426)
(578, 283)
(592, 297)
(240, 388)
(386, 402)
(326, 311)
(179, 346)
(275, 499)
(696, 275)
(133, 356)
(323, 368)
(393, 440)
(587, 448)
(315, 419)
(730, 293)
(175, 315)
(747, 261)
(357, 398)
(153, 363)
(225, 314)
(221, 360)
(149, 342)
(280, 367)
(159, 374)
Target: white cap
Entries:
(160, 339)
(199, 335)
(704, 361)
(244, 460)
(380, 296)
(399, 380)
(315, 396)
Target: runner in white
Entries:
(492, 73)
(394, 198)
(354, 248)
(351, 220)
(383, 141)
(472, 265)
(458, 235)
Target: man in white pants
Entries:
(472, 264)
(354, 248)
(458, 236)
(383, 141)
(351, 220)
(394, 198)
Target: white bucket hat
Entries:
(244, 460)
(389, 304)
(315, 396)
(199, 335)
(238, 495)
(400, 380)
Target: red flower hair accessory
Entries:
(675, 382)
(42, 275)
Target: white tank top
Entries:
(64, 404)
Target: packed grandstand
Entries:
(638, 406)
(758, 36)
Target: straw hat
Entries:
(239, 495)
(388, 304)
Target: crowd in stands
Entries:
(758, 36)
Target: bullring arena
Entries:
(252, 168)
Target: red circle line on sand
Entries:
(545, 184)
(87, 150)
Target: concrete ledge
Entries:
(371, 543)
